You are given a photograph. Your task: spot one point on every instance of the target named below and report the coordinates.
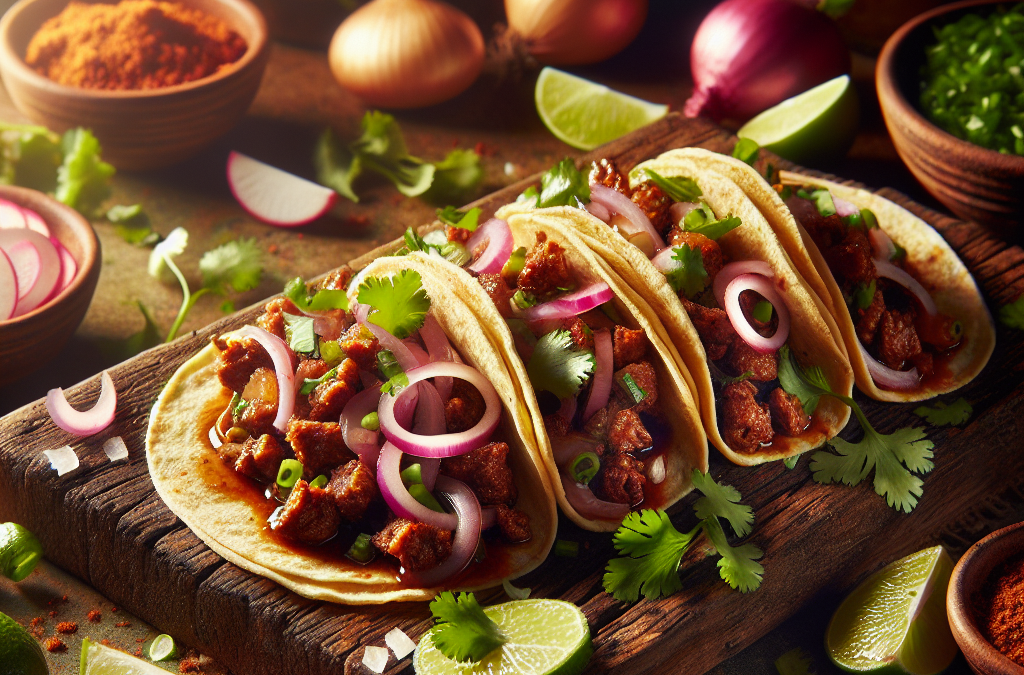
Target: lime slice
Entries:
(162, 648)
(19, 652)
(98, 659)
(895, 622)
(819, 123)
(544, 636)
(20, 551)
(585, 114)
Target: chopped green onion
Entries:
(388, 364)
(822, 201)
(309, 385)
(566, 549)
(237, 405)
(362, 550)
(763, 311)
(632, 388)
(412, 474)
(585, 467)
(289, 473)
(854, 220)
(331, 352)
(869, 219)
(790, 462)
(421, 494)
(236, 435)
(900, 253)
(319, 482)
(515, 264)
(523, 300)
(454, 252)
(745, 150)
(863, 294)
(370, 421)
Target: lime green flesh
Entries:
(585, 114)
(20, 551)
(20, 654)
(817, 124)
(895, 622)
(162, 647)
(544, 636)
(98, 659)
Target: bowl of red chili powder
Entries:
(985, 603)
(155, 80)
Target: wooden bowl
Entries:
(30, 340)
(146, 128)
(968, 577)
(974, 182)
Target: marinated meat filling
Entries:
(547, 272)
(417, 546)
(486, 471)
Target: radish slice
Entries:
(764, 286)
(68, 266)
(115, 449)
(467, 533)
(886, 377)
(889, 271)
(389, 480)
(616, 202)
(281, 356)
(11, 216)
(733, 270)
(573, 304)
(8, 287)
(601, 390)
(85, 422)
(498, 236)
(34, 221)
(62, 460)
(275, 196)
(27, 266)
(588, 505)
(46, 266)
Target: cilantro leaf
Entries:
(791, 462)
(83, 179)
(956, 413)
(382, 149)
(530, 194)
(794, 662)
(557, 366)
(822, 201)
(336, 166)
(132, 224)
(562, 184)
(324, 299)
(652, 549)
(702, 221)
(399, 302)
(722, 501)
(463, 632)
(746, 150)
(29, 156)
(689, 277)
(299, 333)
(456, 177)
(808, 385)
(738, 566)
(466, 220)
(679, 188)
(236, 265)
(1011, 315)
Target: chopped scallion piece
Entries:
(289, 473)
(864, 294)
(331, 352)
(870, 221)
(319, 482)
(370, 421)
(567, 549)
(362, 550)
(515, 264)
(523, 300)
(763, 311)
(236, 435)
(388, 364)
(412, 474)
(585, 467)
(421, 494)
(632, 388)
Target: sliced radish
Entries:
(27, 266)
(34, 221)
(68, 266)
(8, 287)
(11, 216)
(48, 266)
(275, 196)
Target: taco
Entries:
(400, 461)
(614, 417)
(728, 296)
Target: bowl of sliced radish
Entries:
(49, 266)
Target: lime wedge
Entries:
(98, 659)
(895, 622)
(19, 652)
(162, 648)
(585, 114)
(20, 551)
(819, 123)
(544, 636)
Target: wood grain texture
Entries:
(105, 524)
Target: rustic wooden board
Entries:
(105, 523)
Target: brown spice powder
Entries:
(67, 627)
(94, 616)
(999, 609)
(55, 645)
(135, 44)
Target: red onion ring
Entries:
(488, 517)
(889, 271)
(389, 479)
(588, 505)
(599, 211)
(368, 379)
(881, 244)
(363, 442)
(439, 349)
(84, 422)
(733, 270)
(326, 326)
(281, 356)
(570, 305)
(764, 286)
(886, 377)
(567, 448)
(418, 352)
(430, 421)
(616, 202)
(442, 445)
(498, 236)
(403, 355)
(467, 533)
(679, 210)
(601, 389)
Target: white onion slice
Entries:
(601, 389)
(389, 480)
(8, 287)
(115, 449)
(881, 244)
(34, 221)
(439, 349)
(399, 643)
(467, 533)
(657, 470)
(616, 202)
(498, 236)
(570, 305)
(665, 261)
(680, 210)
(363, 442)
(45, 263)
(513, 592)
(86, 422)
(11, 216)
(215, 437)
(569, 447)
(375, 658)
(733, 270)
(889, 271)
(281, 356)
(886, 377)
(588, 505)
(62, 460)
(442, 445)
(764, 286)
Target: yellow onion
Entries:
(406, 53)
(572, 32)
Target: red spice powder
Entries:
(999, 609)
(123, 624)
(67, 627)
(55, 645)
(189, 665)
(53, 613)
(94, 616)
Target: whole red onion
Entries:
(749, 55)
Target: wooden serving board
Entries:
(106, 524)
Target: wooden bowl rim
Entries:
(74, 221)
(958, 608)
(885, 82)
(11, 60)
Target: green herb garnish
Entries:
(863, 295)
(762, 311)
(632, 388)
(318, 482)
(462, 631)
(370, 421)
(822, 201)
(362, 550)
(689, 277)
(702, 221)
(466, 220)
(299, 333)
(557, 366)
(679, 188)
(308, 384)
(584, 467)
(941, 414)
(746, 150)
(560, 186)
(289, 473)
(399, 302)
(322, 300)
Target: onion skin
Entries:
(749, 55)
(574, 32)
(406, 53)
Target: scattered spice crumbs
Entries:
(95, 616)
(114, 610)
(55, 645)
(123, 624)
(53, 613)
(138, 652)
(189, 665)
(140, 640)
(67, 627)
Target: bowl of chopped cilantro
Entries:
(951, 87)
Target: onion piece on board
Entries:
(280, 355)
(887, 378)
(570, 305)
(115, 449)
(86, 422)
(498, 236)
(616, 202)
(375, 658)
(62, 460)
(764, 286)
(467, 533)
(399, 643)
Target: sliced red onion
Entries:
(889, 271)
(282, 358)
(368, 379)
(488, 517)
(601, 389)
(764, 286)
(115, 449)
(86, 422)
(657, 470)
(389, 479)
(887, 378)
(567, 410)
(467, 533)
(406, 407)
(616, 202)
(62, 460)
(498, 236)
(439, 349)
(567, 448)
(363, 442)
(430, 421)
(418, 352)
(588, 505)
(599, 211)
(442, 445)
(733, 270)
(679, 210)
(215, 438)
(403, 355)
(881, 244)
(843, 207)
(570, 305)
(328, 325)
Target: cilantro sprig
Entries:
(895, 458)
(466, 220)
(562, 185)
(955, 413)
(679, 188)
(702, 220)
(324, 299)
(557, 366)
(1011, 314)
(689, 277)
(652, 547)
(400, 304)
(463, 632)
